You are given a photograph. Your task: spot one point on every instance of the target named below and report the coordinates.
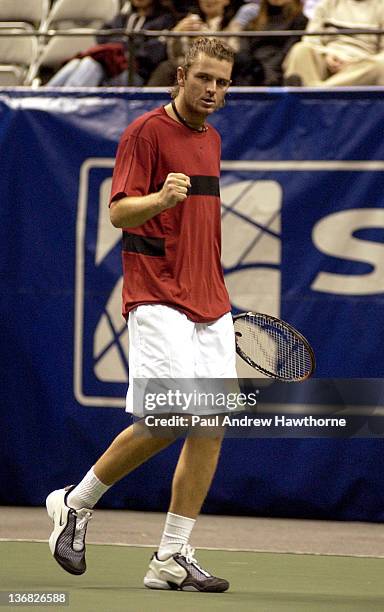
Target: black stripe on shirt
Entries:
(132, 243)
(205, 186)
(202, 186)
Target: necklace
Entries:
(203, 128)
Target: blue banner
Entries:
(303, 238)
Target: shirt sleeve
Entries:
(322, 11)
(247, 13)
(132, 175)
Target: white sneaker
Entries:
(67, 540)
(182, 572)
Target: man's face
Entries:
(203, 88)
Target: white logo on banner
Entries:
(333, 235)
(251, 258)
(110, 344)
(251, 235)
(251, 230)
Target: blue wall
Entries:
(303, 225)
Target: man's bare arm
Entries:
(133, 211)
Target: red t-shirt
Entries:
(174, 258)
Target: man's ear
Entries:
(180, 76)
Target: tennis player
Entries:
(165, 197)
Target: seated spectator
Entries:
(185, 6)
(212, 15)
(339, 59)
(92, 67)
(149, 52)
(248, 11)
(260, 60)
(309, 7)
(104, 63)
(244, 15)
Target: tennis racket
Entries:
(273, 347)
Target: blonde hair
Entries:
(213, 47)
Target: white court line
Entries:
(247, 550)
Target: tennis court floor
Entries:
(265, 582)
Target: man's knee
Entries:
(370, 72)
(299, 52)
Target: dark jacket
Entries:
(259, 62)
(148, 52)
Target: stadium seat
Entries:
(60, 49)
(17, 54)
(82, 15)
(31, 11)
(66, 14)
(11, 76)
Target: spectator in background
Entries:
(186, 6)
(260, 59)
(245, 14)
(106, 63)
(211, 15)
(248, 11)
(309, 8)
(139, 15)
(339, 59)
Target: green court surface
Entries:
(265, 582)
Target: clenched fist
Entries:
(174, 190)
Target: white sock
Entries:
(177, 531)
(88, 492)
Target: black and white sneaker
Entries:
(67, 540)
(182, 572)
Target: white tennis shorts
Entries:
(164, 343)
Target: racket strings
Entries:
(273, 347)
